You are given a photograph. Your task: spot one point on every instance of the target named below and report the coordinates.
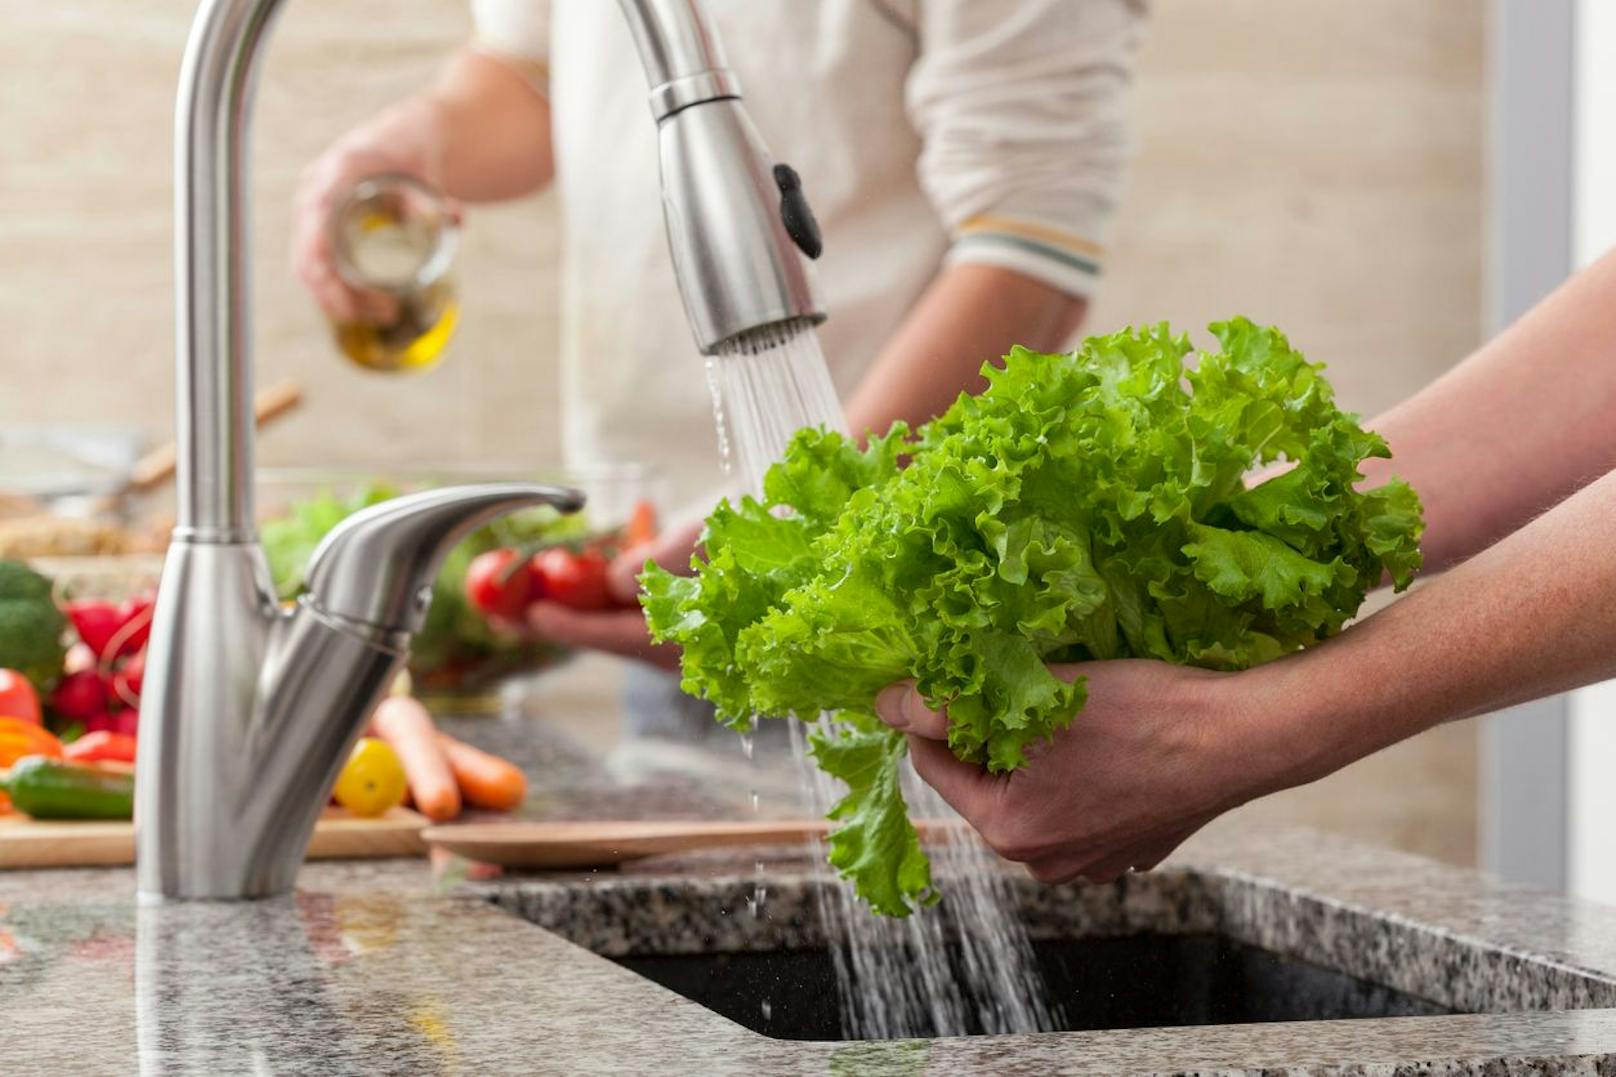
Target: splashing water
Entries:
(962, 966)
(966, 964)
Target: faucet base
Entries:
(239, 754)
(250, 711)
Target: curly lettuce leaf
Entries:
(876, 845)
(1084, 506)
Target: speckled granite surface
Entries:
(379, 968)
(1499, 966)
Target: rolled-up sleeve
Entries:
(1024, 110)
(517, 32)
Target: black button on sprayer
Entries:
(795, 213)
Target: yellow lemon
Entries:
(372, 780)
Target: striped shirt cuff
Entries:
(1058, 258)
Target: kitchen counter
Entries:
(378, 967)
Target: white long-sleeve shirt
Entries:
(926, 132)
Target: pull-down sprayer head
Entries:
(736, 220)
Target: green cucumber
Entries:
(50, 789)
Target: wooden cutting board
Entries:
(31, 843)
(577, 845)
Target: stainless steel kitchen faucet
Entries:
(249, 709)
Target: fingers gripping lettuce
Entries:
(1084, 506)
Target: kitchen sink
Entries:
(1130, 981)
(1178, 947)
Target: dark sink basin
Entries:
(1174, 947)
(1130, 981)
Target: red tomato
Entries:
(497, 584)
(18, 698)
(80, 695)
(575, 580)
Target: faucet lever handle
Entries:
(377, 566)
(796, 214)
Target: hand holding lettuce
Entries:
(1084, 506)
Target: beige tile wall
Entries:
(85, 287)
(1313, 164)
(1319, 166)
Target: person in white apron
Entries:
(963, 158)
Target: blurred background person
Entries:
(963, 158)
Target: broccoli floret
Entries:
(31, 627)
(18, 581)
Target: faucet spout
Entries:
(248, 711)
(376, 568)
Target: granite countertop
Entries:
(381, 967)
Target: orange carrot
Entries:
(486, 780)
(407, 727)
(642, 524)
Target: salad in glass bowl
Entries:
(486, 578)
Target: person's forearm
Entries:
(494, 127)
(1516, 427)
(1526, 618)
(968, 315)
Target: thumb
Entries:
(901, 706)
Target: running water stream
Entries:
(964, 965)
(766, 386)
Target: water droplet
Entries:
(760, 892)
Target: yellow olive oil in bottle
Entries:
(394, 238)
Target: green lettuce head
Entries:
(1084, 506)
